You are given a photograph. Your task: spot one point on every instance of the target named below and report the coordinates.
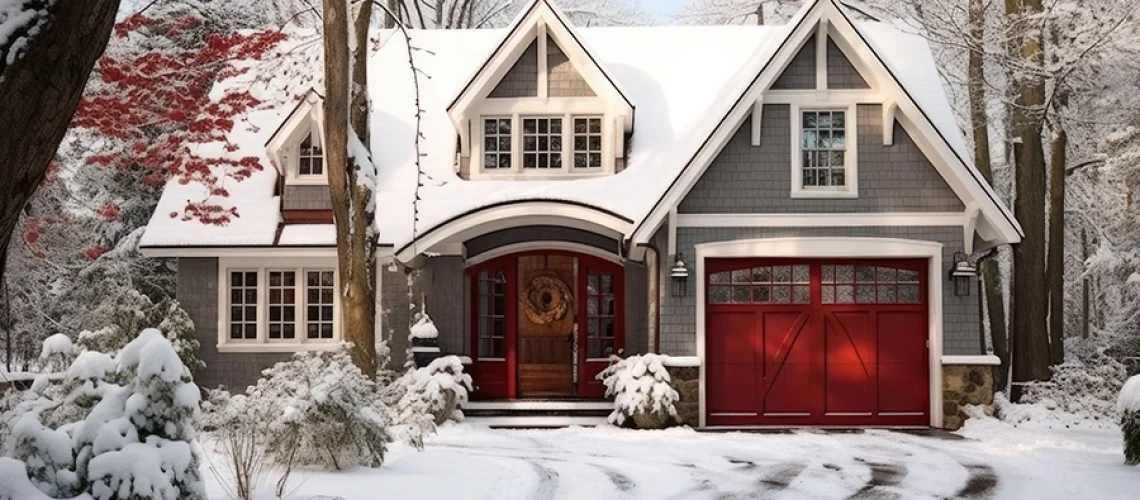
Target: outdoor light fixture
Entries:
(962, 274)
(680, 277)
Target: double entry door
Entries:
(544, 324)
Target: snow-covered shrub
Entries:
(643, 395)
(140, 441)
(1082, 387)
(127, 442)
(1128, 404)
(239, 444)
(439, 389)
(116, 324)
(330, 415)
(57, 353)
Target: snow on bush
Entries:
(643, 395)
(439, 389)
(117, 323)
(1081, 393)
(88, 436)
(57, 353)
(330, 415)
(1128, 404)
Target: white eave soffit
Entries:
(539, 16)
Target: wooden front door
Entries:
(546, 325)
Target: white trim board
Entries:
(538, 405)
(955, 219)
(974, 360)
(528, 246)
(847, 247)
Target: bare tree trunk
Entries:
(1055, 268)
(760, 13)
(39, 93)
(354, 235)
(1084, 285)
(991, 268)
(1031, 341)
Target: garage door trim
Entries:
(832, 247)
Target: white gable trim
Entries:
(540, 16)
(307, 116)
(996, 224)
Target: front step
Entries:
(538, 408)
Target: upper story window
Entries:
(310, 157)
(497, 144)
(542, 143)
(529, 145)
(588, 142)
(824, 148)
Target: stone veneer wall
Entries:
(964, 385)
(687, 381)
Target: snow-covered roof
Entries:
(682, 80)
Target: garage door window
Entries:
(761, 285)
(849, 284)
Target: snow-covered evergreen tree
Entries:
(132, 312)
(1129, 407)
(438, 390)
(643, 395)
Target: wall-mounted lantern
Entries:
(680, 275)
(963, 273)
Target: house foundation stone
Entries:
(964, 385)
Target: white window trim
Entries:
(297, 299)
(851, 155)
(567, 108)
(263, 266)
(292, 157)
(225, 311)
(303, 318)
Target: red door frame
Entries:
(820, 312)
(498, 379)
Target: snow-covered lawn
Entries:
(996, 461)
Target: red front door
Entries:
(816, 342)
(525, 344)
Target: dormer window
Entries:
(497, 143)
(588, 143)
(311, 159)
(542, 143)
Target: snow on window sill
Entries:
(278, 347)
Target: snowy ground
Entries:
(995, 461)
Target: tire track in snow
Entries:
(883, 475)
(781, 476)
(547, 481)
(620, 481)
(982, 483)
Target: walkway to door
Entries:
(544, 324)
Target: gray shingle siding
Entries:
(800, 73)
(522, 79)
(841, 74)
(960, 315)
(198, 293)
(437, 288)
(306, 198)
(757, 179)
(563, 80)
(636, 308)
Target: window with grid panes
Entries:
(492, 314)
(542, 143)
(784, 284)
(587, 143)
(849, 284)
(282, 305)
(824, 148)
(600, 313)
(497, 144)
(319, 290)
(311, 158)
(243, 305)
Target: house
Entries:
(780, 209)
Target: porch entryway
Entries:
(544, 324)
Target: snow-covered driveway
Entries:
(470, 461)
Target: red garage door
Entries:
(816, 342)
